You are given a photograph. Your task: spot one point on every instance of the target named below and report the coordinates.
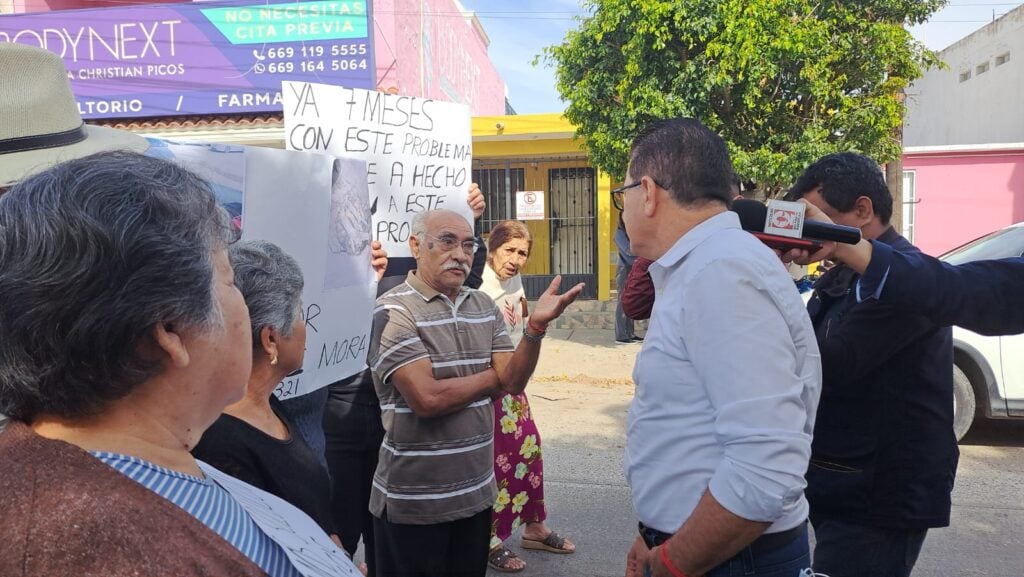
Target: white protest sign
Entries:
(309, 549)
(530, 205)
(315, 208)
(418, 151)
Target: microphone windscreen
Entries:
(752, 214)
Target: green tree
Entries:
(783, 81)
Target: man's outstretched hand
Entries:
(550, 305)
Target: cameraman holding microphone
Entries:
(884, 454)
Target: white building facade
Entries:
(976, 99)
(963, 156)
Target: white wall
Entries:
(987, 107)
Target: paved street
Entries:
(580, 398)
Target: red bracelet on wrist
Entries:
(668, 563)
(535, 328)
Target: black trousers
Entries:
(844, 549)
(457, 548)
(354, 434)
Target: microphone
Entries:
(753, 216)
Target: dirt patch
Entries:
(584, 379)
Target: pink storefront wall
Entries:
(427, 48)
(964, 195)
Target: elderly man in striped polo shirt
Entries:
(440, 354)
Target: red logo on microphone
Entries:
(786, 219)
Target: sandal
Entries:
(499, 557)
(553, 543)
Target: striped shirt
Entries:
(438, 469)
(211, 505)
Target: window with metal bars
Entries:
(499, 186)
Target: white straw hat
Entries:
(39, 121)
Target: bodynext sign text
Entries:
(201, 58)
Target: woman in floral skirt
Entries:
(518, 465)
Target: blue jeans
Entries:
(847, 550)
(785, 561)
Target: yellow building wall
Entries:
(605, 231)
(548, 135)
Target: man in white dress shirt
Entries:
(728, 379)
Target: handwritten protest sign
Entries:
(314, 207)
(418, 152)
(295, 205)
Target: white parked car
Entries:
(988, 372)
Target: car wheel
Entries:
(964, 403)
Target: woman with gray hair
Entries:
(254, 440)
(123, 338)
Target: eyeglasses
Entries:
(449, 242)
(617, 194)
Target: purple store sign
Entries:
(201, 58)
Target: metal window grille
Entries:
(573, 217)
(499, 186)
(565, 242)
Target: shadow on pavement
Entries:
(996, 433)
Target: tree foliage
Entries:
(783, 81)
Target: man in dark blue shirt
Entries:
(884, 455)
